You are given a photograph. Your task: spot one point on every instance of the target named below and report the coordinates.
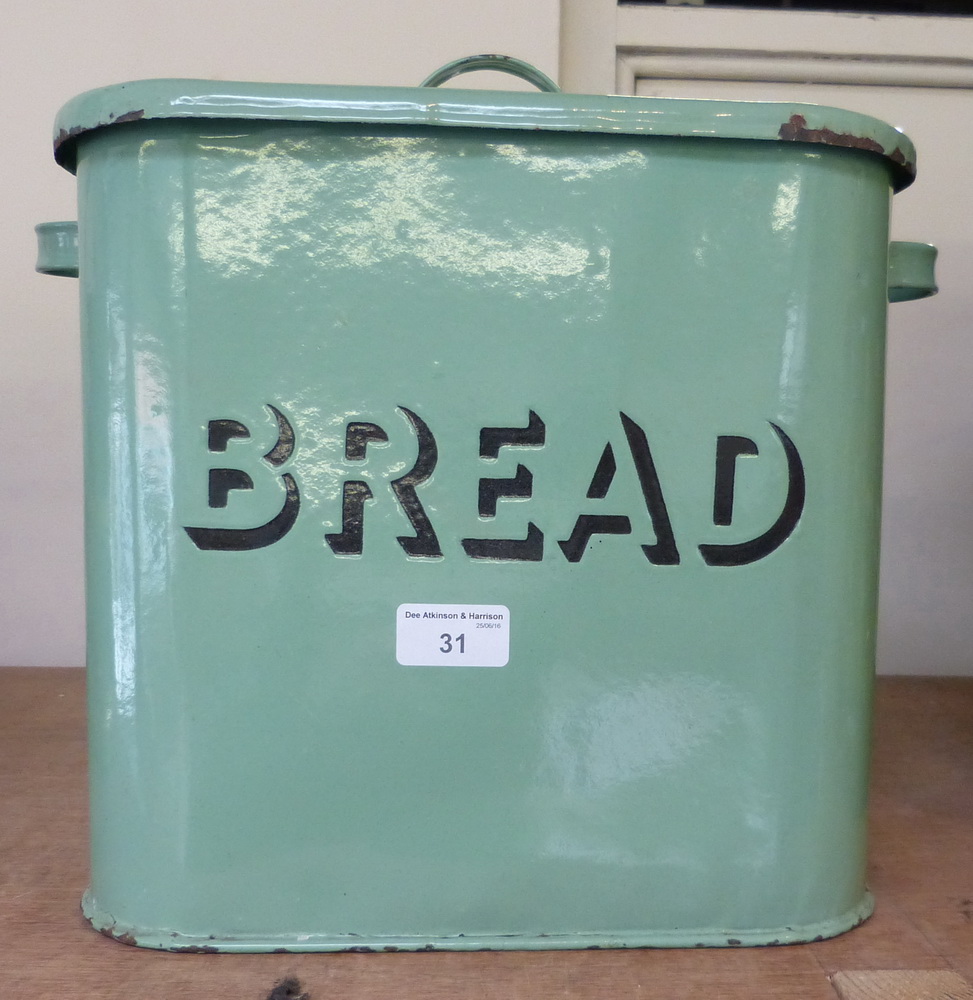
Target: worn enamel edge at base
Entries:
(168, 940)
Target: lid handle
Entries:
(501, 64)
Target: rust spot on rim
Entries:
(65, 135)
(795, 130)
(129, 116)
(125, 937)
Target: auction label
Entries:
(452, 635)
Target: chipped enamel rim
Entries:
(146, 100)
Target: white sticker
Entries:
(452, 635)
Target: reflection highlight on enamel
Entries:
(320, 440)
(569, 168)
(793, 361)
(784, 213)
(394, 200)
(155, 453)
(600, 739)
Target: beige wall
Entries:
(51, 50)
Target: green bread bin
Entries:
(482, 504)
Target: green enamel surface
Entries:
(673, 753)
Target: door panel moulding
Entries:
(789, 67)
(607, 46)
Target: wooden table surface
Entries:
(918, 946)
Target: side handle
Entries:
(912, 266)
(57, 248)
(912, 271)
